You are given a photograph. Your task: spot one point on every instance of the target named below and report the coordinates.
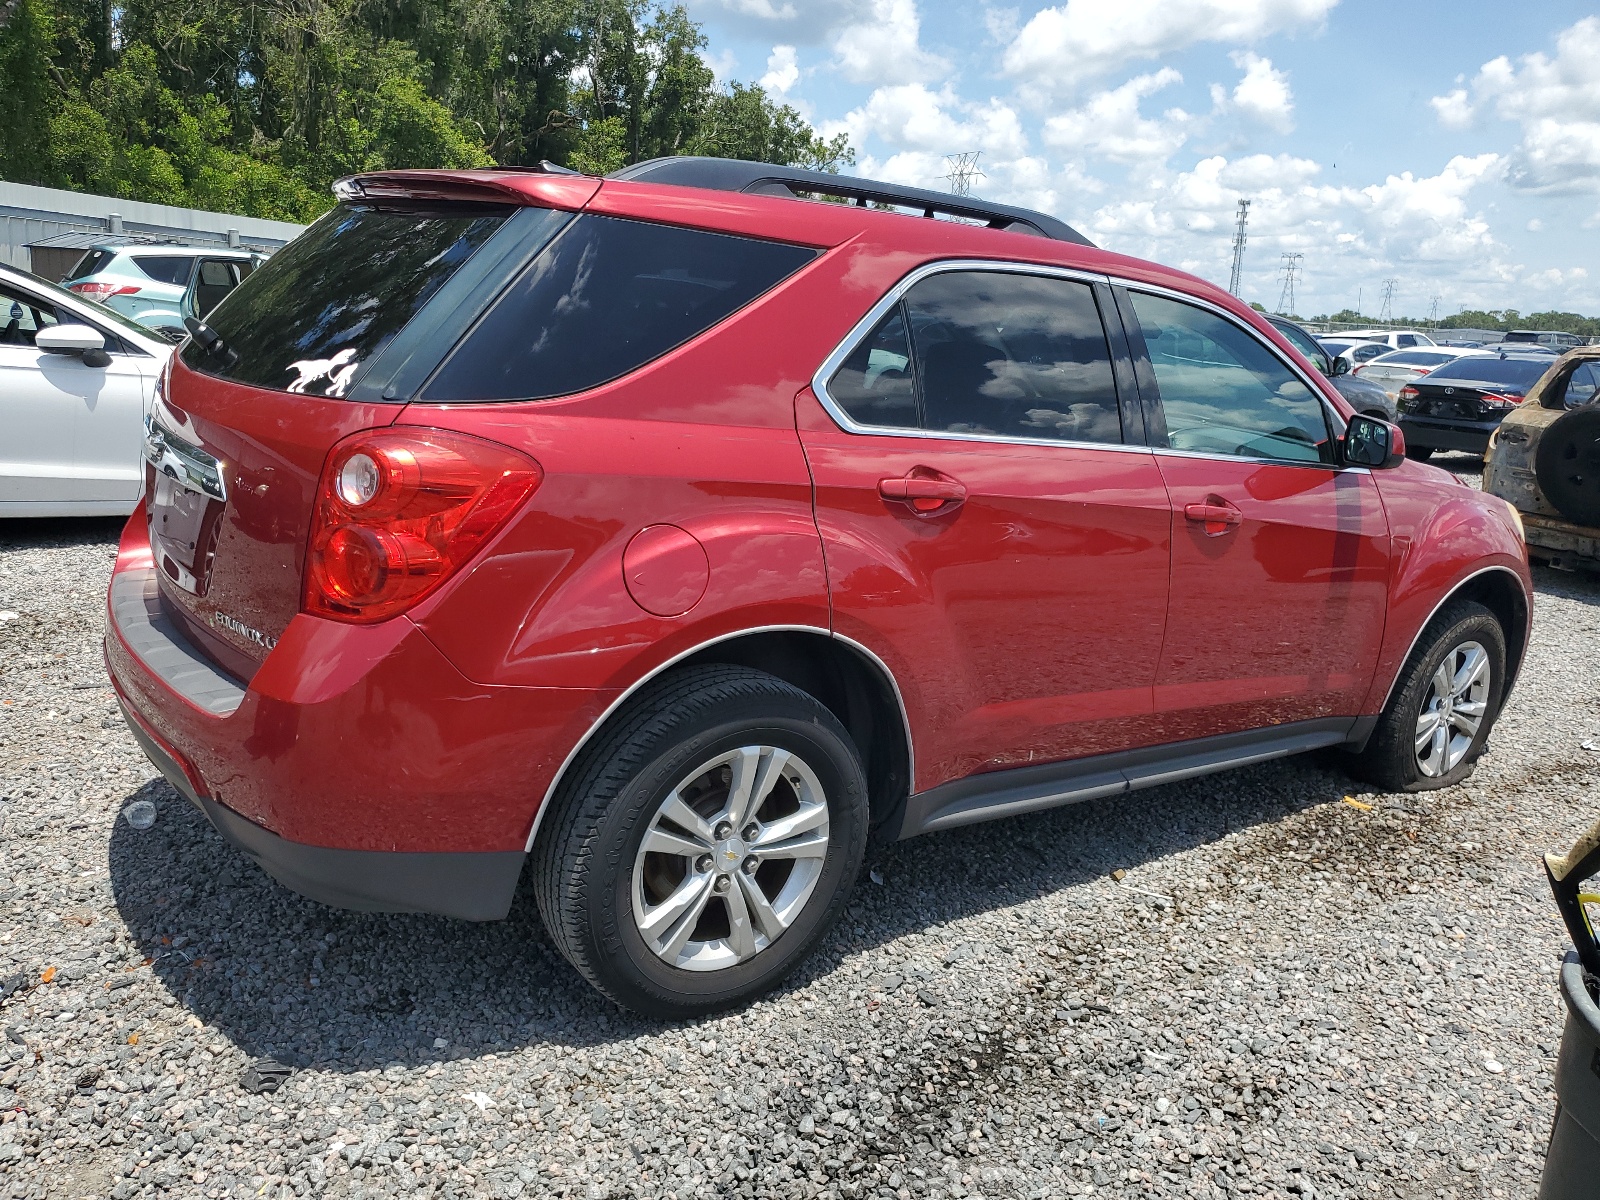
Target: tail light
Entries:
(1407, 395)
(101, 292)
(1499, 400)
(399, 511)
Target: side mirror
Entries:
(1369, 442)
(81, 340)
(1341, 366)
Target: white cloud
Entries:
(783, 71)
(1263, 94)
(1110, 126)
(883, 46)
(1557, 102)
(910, 117)
(724, 65)
(1061, 45)
(1455, 110)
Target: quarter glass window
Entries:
(1012, 355)
(874, 386)
(1225, 393)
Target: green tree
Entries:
(257, 107)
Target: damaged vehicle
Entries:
(1545, 461)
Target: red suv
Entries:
(680, 534)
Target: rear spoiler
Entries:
(546, 188)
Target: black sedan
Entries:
(1457, 406)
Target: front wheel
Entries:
(1444, 704)
(706, 845)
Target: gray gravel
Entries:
(1284, 994)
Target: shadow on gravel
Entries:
(50, 532)
(310, 985)
(1582, 586)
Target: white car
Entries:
(76, 381)
(159, 285)
(1392, 371)
(1354, 351)
(1395, 339)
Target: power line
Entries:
(1289, 270)
(1238, 247)
(1386, 311)
(963, 170)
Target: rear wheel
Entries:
(705, 845)
(1445, 702)
(1419, 453)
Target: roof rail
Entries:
(738, 175)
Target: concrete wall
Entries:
(58, 223)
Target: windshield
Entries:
(1521, 372)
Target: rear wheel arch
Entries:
(846, 678)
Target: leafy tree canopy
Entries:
(256, 108)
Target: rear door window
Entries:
(605, 297)
(874, 385)
(1012, 355)
(332, 298)
(166, 268)
(1225, 393)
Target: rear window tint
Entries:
(606, 297)
(333, 297)
(90, 263)
(1492, 370)
(165, 268)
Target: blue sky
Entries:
(1452, 147)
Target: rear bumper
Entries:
(357, 766)
(1436, 434)
(471, 886)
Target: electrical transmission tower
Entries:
(1433, 312)
(1386, 311)
(1238, 247)
(963, 170)
(1289, 270)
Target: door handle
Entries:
(1216, 514)
(925, 495)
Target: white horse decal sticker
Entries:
(337, 370)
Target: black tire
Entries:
(584, 862)
(1567, 465)
(1389, 760)
(1418, 453)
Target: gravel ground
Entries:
(1239, 986)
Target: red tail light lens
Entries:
(1409, 393)
(398, 511)
(1500, 400)
(101, 292)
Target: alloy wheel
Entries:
(730, 858)
(1453, 709)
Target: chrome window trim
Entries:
(835, 360)
(1428, 620)
(599, 722)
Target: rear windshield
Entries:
(334, 296)
(607, 296)
(90, 263)
(1523, 371)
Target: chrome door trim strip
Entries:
(599, 722)
(1417, 637)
